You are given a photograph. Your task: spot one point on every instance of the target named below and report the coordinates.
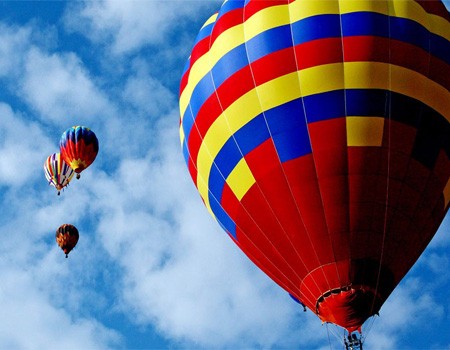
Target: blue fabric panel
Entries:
(186, 152)
(365, 23)
(287, 124)
(222, 217)
(366, 102)
(230, 6)
(326, 105)
(216, 182)
(252, 134)
(227, 158)
(317, 27)
(269, 41)
(229, 64)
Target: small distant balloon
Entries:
(67, 237)
(79, 147)
(57, 172)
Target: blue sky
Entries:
(152, 269)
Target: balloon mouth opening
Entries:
(349, 306)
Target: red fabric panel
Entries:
(273, 66)
(318, 52)
(267, 266)
(303, 182)
(226, 21)
(329, 144)
(348, 308)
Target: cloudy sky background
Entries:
(152, 269)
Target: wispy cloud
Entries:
(127, 26)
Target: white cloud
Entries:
(409, 307)
(30, 321)
(61, 90)
(146, 93)
(13, 41)
(129, 25)
(23, 148)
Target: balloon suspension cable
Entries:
(353, 342)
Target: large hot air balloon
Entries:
(57, 172)
(318, 135)
(67, 237)
(78, 147)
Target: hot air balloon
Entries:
(67, 237)
(57, 172)
(317, 133)
(78, 147)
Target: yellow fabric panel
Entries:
(402, 9)
(412, 10)
(378, 6)
(301, 9)
(439, 26)
(322, 78)
(181, 134)
(370, 75)
(215, 138)
(402, 80)
(232, 119)
(268, 18)
(421, 88)
(224, 43)
(201, 183)
(210, 20)
(279, 91)
(364, 131)
(243, 110)
(240, 179)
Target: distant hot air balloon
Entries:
(57, 172)
(78, 147)
(67, 237)
(317, 133)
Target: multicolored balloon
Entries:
(57, 172)
(67, 237)
(318, 135)
(78, 147)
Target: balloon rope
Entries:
(328, 335)
(368, 328)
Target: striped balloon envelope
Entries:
(57, 172)
(318, 136)
(79, 147)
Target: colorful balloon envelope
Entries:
(317, 133)
(78, 147)
(57, 171)
(67, 237)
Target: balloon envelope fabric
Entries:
(79, 147)
(318, 136)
